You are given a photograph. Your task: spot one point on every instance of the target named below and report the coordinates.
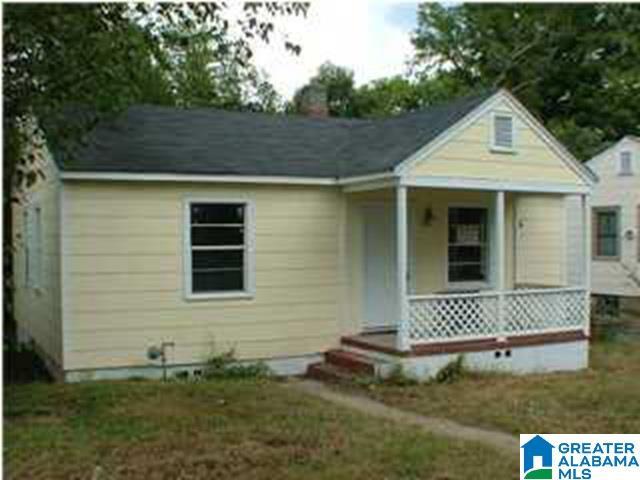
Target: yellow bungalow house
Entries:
(296, 240)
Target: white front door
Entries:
(380, 292)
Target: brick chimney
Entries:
(313, 101)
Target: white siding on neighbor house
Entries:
(123, 254)
(613, 189)
(575, 241)
(38, 305)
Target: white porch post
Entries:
(500, 261)
(586, 220)
(402, 339)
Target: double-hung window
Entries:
(626, 163)
(607, 233)
(218, 248)
(467, 249)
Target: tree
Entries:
(398, 94)
(386, 96)
(200, 79)
(575, 66)
(339, 85)
(108, 56)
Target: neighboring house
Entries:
(407, 240)
(616, 228)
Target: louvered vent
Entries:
(503, 132)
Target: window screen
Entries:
(606, 230)
(218, 247)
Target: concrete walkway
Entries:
(438, 426)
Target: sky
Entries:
(370, 37)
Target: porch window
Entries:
(217, 248)
(607, 236)
(467, 245)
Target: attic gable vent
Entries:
(503, 135)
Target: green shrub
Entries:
(225, 365)
(398, 378)
(452, 371)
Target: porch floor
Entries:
(386, 343)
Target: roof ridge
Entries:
(330, 119)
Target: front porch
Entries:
(500, 284)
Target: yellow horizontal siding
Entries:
(172, 281)
(84, 264)
(228, 316)
(124, 258)
(190, 334)
(541, 237)
(468, 154)
(94, 357)
(144, 301)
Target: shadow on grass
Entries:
(22, 364)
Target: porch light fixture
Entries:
(428, 216)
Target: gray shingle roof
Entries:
(153, 139)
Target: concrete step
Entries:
(350, 361)
(326, 372)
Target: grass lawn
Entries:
(226, 429)
(603, 399)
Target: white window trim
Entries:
(469, 285)
(631, 169)
(492, 130)
(249, 244)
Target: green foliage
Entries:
(399, 378)
(378, 98)
(452, 371)
(109, 56)
(340, 87)
(199, 78)
(575, 66)
(386, 96)
(225, 365)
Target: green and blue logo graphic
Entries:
(537, 460)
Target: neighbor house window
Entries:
(503, 132)
(606, 233)
(32, 218)
(626, 163)
(218, 259)
(467, 245)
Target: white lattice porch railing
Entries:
(468, 316)
(464, 316)
(544, 310)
